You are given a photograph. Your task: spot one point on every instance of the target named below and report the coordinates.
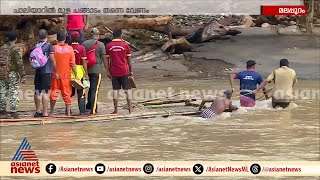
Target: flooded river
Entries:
(249, 134)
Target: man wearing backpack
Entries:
(96, 55)
(81, 63)
(11, 74)
(42, 79)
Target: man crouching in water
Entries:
(218, 106)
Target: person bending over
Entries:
(218, 106)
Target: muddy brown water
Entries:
(261, 133)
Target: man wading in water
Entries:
(284, 79)
(249, 80)
(218, 106)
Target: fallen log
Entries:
(182, 42)
(185, 31)
(138, 23)
(175, 31)
(151, 55)
(203, 34)
(159, 98)
(168, 102)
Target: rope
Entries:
(242, 95)
(262, 97)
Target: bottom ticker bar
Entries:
(160, 168)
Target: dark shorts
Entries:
(280, 104)
(120, 82)
(42, 82)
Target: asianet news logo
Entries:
(27, 160)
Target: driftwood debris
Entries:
(168, 102)
(206, 33)
(182, 42)
(138, 23)
(151, 55)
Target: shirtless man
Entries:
(218, 106)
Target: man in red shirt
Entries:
(76, 23)
(81, 65)
(119, 64)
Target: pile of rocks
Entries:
(198, 20)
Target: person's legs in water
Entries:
(95, 81)
(37, 95)
(14, 91)
(81, 101)
(116, 86)
(247, 101)
(54, 90)
(129, 99)
(73, 92)
(46, 83)
(124, 81)
(66, 91)
(42, 84)
(45, 103)
(37, 102)
(283, 105)
(91, 80)
(115, 101)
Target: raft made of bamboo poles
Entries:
(168, 102)
(98, 118)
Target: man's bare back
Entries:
(219, 105)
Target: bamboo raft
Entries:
(156, 103)
(95, 118)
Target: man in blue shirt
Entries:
(42, 79)
(249, 80)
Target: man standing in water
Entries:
(93, 45)
(218, 106)
(12, 73)
(82, 70)
(42, 78)
(249, 80)
(120, 67)
(65, 61)
(284, 79)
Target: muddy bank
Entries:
(180, 69)
(302, 52)
(220, 58)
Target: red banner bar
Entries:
(300, 10)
